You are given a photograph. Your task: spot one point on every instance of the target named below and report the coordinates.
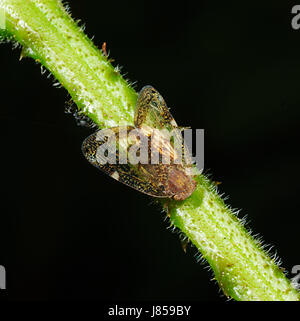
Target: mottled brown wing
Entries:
(134, 176)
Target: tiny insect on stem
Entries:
(166, 175)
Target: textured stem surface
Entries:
(50, 36)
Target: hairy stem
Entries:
(49, 35)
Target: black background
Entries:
(70, 232)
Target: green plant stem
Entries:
(48, 34)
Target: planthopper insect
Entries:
(150, 157)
